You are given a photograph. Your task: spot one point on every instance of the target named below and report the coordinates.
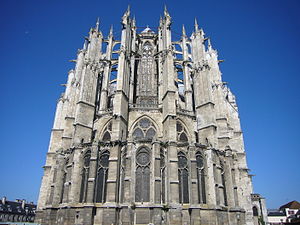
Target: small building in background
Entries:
(286, 214)
(16, 211)
(259, 209)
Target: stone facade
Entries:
(146, 132)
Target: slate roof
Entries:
(291, 205)
(276, 213)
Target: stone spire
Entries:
(97, 24)
(209, 45)
(133, 22)
(111, 31)
(127, 12)
(126, 15)
(196, 25)
(183, 31)
(166, 10)
(166, 14)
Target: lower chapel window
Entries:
(142, 174)
(65, 187)
(183, 177)
(102, 174)
(200, 177)
(85, 176)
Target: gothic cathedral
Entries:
(146, 132)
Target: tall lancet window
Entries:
(200, 178)
(146, 79)
(181, 132)
(85, 176)
(64, 188)
(142, 175)
(107, 132)
(163, 175)
(102, 174)
(183, 177)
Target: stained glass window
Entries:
(107, 132)
(144, 130)
(142, 182)
(200, 178)
(181, 132)
(101, 179)
(85, 176)
(183, 177)
(63, 187)
(150, 133)
(138, 134)
(144, 123)
(183, 137)
(64, 190)
(106, 136)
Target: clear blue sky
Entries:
(259, 41)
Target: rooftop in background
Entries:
(291, 205)
(16, 211)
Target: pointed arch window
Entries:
(144, 130)
(85, 176)
(146, 80)
(64, 188)
(183, 177)
(107, 132)
(181, 132)
(101, 179)
(142, 175)
(200, 178)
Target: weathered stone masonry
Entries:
(146, 132)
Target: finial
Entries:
(133, 21)
(166, 11)
(128, 9)
(196, 25)
(111, 31)
(97, 24)
(126, 15)
(209, 44)
(183, 31)
(127, 12)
